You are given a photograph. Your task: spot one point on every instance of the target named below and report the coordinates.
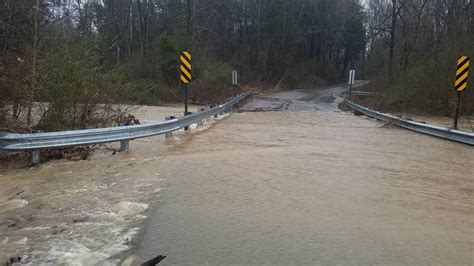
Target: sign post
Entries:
(234, 81)
(460, 85)
(186, 77)
(351, 81)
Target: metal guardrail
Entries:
(11, 142)
(364, 93)
(445, 133)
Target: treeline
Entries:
(413, 47)
(79, 56)
(65, 62)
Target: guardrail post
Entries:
(186, 128)
(124, 145)
(199, 123)
(204, 109)
(216, 115)
(169, 134)
(35, 157)
(222, 112)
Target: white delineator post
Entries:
(351, 81)
(234, 78)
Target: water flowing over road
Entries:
(302, 183)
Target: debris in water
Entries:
(154, 261)
(13, 259)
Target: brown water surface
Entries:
(296, 188)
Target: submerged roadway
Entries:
(293, 180)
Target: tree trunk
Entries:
(31, 93)
(116, 29)
(393, 29)
(130, 40)
(142, 17)
(188, 18)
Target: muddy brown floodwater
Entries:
(312, 187)
(87, 212)
(291, 180)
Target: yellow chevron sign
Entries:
(185, 67)
(462, 73)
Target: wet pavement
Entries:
(293, 181)
(325, 99)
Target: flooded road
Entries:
(325, 99)
(309, 185)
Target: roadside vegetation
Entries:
(67, 64)
(75, 58)
(413, 48)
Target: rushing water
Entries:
(294, 188)
(85, 212)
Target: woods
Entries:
(413, 47)
(71, 60)
(75, 54)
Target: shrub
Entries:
(73, 91)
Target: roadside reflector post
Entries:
(35, 157)
(351, 82)
(124, 145)
(462, 73)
